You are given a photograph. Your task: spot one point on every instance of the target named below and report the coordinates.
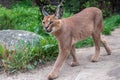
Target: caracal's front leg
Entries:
(59, 62)
(64, 50)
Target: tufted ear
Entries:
(42, 5)
(44, 12)
(59, 10)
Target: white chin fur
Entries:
(53, 30)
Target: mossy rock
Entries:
(18, 39)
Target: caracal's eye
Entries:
(43, 22)
(51, 22)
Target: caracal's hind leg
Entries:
(74, 61)
(107, 48)
(96, 38)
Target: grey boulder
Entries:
(18, 38)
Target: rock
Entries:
(18, 38)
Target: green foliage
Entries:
(67, 14)
(1, 51)
(111, 23)
(74, 6)
(6, 24)
(29, 56)
(25, 3)
(84, 43)
(22, 18)
(50, 48)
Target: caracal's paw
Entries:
(109, 52)
(52, 76)
(74, 64)
(94, 59)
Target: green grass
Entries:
(111, 23)
(84, 43)
(22, 18)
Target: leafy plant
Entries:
(29, 55)
(21, 18)
(111, 23)
(85, 43)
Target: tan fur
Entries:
(68, 31)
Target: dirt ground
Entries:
(107, 68)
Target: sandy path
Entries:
(107, 68)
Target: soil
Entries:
(107, 67)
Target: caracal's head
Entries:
(51, 23)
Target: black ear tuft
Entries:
(44, 12)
